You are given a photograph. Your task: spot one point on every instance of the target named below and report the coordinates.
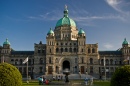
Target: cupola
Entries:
(50, 32)
(6, 42)
(125, 42)
(65, 20)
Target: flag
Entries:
(127, 59)
(26, 60)
(104, 61)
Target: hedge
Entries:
(9, 75)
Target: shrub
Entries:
(121, 77)
(9, 75)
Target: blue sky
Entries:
(25, 22)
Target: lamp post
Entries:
(66, 72)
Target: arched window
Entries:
(88, 50)
(111, 61)
(39, 50)
(57, 50)
(66, 50)
(93, 50)
(12, 61)
(16, 62)
(61, 50)
(50, 50)
(29, 62)
(49, 59)
(82, 50)
(74, 49)
(21, 61)
(70, 49)
(91, 61)
(107, 62)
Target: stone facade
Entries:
(66, 48)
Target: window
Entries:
(66, 50)
(40, 68)
(61, 50)
(91, 69)
(111, 62)
(75, 60)
(65, 43)
(21, 61)
(82, 59)
(93, 50)
(74, 43)
(16, 62)
(74, 49)
(107, 62)
(61, 43)
(88, 50)
(91, 61)
(43, 50)
(57, 50)
(38, 50)
(50, 50)
(70, 43)
(41, 61)
(82, 50)
(70, 49)
(49, 59)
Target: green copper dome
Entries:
(50, 32)
(6, 42)
(81, 31)
(125, 41)
(65, 20)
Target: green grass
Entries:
(95, 83)
(101, 83)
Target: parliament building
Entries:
(66, 48)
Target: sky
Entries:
(25, 22)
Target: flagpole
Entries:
(27, 71)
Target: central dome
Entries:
(65, 20)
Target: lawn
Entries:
(74, 82)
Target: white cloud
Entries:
(118, 5)
(108, 46)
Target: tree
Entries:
(9, 75)
(121, 77)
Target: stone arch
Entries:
(61, 63)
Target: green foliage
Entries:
(121, 77)
(9, 75)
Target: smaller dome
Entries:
(125, 42)
(81, 31)
(50, 32)
(6, 42)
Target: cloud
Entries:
(53, 15)
(118, 5)
(108, 46)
